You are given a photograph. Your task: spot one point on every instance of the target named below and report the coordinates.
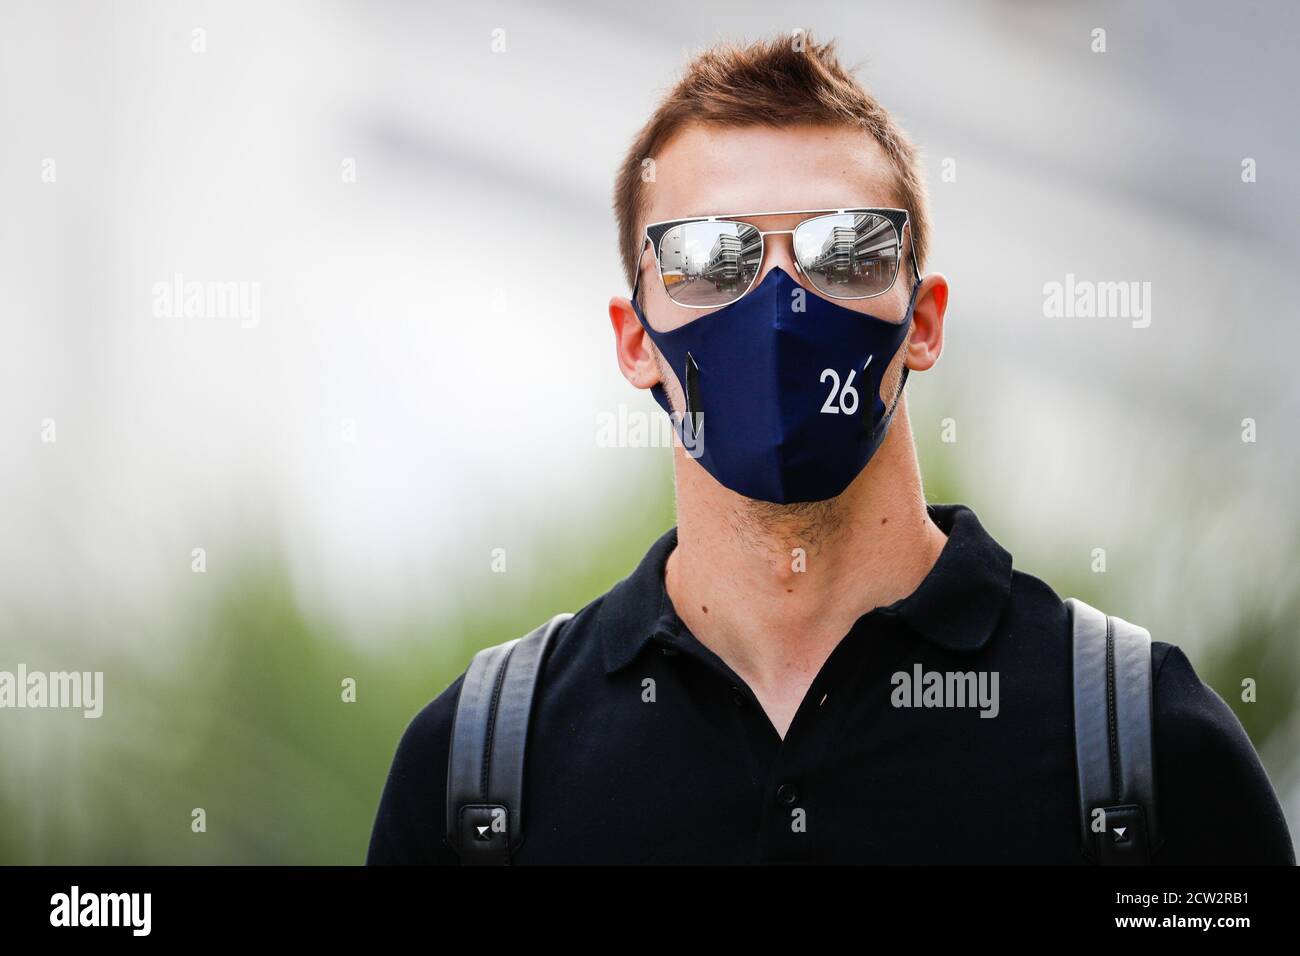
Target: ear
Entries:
(632, 346)
(926, 340)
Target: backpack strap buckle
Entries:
(485, 833)
(1124, 841)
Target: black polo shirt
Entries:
(645, 747)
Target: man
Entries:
(748, 694)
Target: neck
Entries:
(773, 588)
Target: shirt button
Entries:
(787, 794)
(737, 696)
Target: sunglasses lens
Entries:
(848, 255)
(709, 263)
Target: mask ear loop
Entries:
(690, 380)
(902, 379)
(916, 271)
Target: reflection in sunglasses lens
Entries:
(848, 255)
(709, 263)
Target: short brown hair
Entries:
(785, 81)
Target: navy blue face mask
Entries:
(782, 389)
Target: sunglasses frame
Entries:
(654, 233)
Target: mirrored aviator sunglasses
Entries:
(706, 263)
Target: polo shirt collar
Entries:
(637, 608)
(957, 605)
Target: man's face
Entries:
(711, 170)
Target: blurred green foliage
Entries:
(248, 722)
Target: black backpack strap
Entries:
(485, 769)
(1112, 736)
